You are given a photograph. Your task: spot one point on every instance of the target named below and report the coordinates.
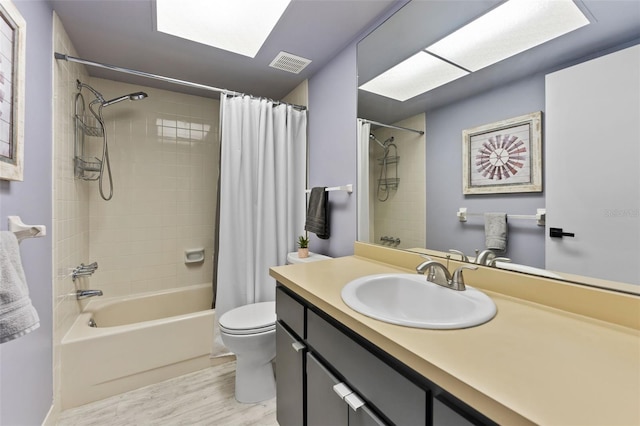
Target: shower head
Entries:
(131, 97)
(373, 137)
(384, 144)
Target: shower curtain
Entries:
(364, 210)
(262, 198)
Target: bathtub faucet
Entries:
(84, 270)
(83, 294)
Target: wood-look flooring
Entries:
(205, 397)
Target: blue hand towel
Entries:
(495, 231)
(17, 315)
(318, 213)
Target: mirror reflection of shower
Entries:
(386, 182)
(94, 168)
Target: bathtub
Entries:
(139, 340)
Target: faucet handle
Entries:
(463, 256)
(457, 281)
(498, 259)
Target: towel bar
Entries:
(539, 216)
(348, 188)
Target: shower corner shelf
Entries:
(82, 121)
(87, 168)
(389, 183)
(389, 160)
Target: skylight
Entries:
(509, 29)
(239, 26)
(418, 74)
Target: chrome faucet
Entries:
(493, 261)
(444, 278)
(485, 257)
(463, 256)
(83, 294)
(84, 270)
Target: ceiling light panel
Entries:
(411, 77)
(239, 26)
(507, 30)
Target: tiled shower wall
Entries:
(403, 214)
(70, 199)
(164, 154)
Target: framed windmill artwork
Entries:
(12, 63)
(503, 157)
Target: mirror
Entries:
(510, 88)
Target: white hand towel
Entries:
(17, 315)
(495, 231)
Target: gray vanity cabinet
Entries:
(332, 402)
(326, 375)
(289, 378)
(290, 352)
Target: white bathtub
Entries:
(139, 340)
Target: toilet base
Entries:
(254, 383)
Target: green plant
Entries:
(303, 242)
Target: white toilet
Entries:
(249, 332)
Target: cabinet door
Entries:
(290, 378)
(445, 416)
(363, 416)
(398, 399)
(324, 406)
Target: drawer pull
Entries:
(342, 390)
(298, 346)
(353, 401)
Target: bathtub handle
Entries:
(298, 346)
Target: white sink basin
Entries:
(410, 300)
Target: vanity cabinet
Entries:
(331, 402)
(328, 375)
(290, 361)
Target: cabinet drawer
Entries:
(290, 312)
(399, 399)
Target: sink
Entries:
(412, 301)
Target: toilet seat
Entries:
(249, 319)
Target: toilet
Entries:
(249, 332)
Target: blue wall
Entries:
(333, 104)
(444, 175)
(26, 389)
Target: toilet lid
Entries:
(249, 319)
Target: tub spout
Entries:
(83, 294)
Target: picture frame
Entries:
(12, 91)
(503, 157)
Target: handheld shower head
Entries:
(384, 144)
(131, 96)
(373, 137)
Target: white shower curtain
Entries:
(262, 198)
(364, 212)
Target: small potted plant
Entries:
(303, 243)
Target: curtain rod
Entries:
(420, 132)
(162, 78)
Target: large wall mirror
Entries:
(410, 152)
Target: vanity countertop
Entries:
(530, 364)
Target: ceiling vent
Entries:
(290, 63)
